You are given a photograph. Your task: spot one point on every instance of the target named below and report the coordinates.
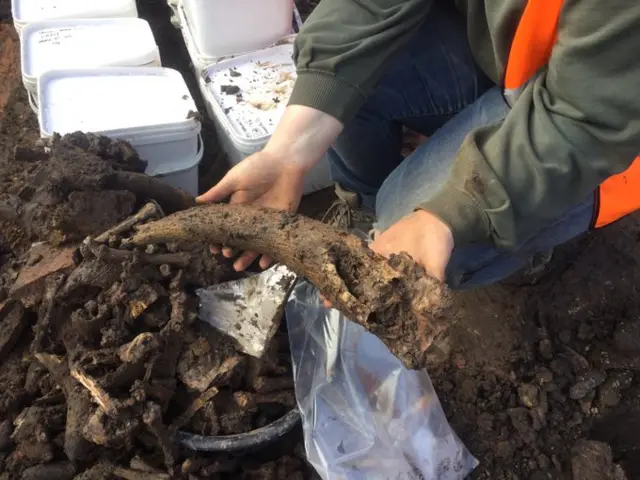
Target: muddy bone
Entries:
(147, 212)
(394, 299)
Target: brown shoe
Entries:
(347, 213)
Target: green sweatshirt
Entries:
(575, 125)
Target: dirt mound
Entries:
(536, 369)
(76, 186)
(116, 363)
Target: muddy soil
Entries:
(536, 368)
(532, 377)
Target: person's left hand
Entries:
(423, 236)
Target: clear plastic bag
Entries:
(365, 416)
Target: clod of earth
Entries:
(394, 299)
(80, 185)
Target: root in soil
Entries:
(394, 299)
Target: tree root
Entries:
(152, 418)
(195, 406)
(171, 335)
(99, 395)
(53, 284)
(394, 299)
(139, 348)
(249, 401)
(151, 188)
(111, 255)
(78, 406)
(268, 385)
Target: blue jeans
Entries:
(434, 87)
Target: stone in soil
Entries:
(592, 460)
(627, 337)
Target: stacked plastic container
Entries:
(93, 66)
(149, 107)
(29, 11)
(242, 55)
(216, 29)
(101, 42)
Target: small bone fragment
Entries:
(151, 210)
(100, 396)
(139, 348)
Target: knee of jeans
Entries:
(389, 207)
(383, 220)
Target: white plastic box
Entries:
(246, 97)
(199, 59)
(84, 43)
(223, 27)
(29, 11)
(149, 107)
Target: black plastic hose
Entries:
(253, 440)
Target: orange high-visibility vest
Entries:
(535, 36)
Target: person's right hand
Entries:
(263, 179)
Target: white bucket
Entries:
(29, 11)
(84, 43)
(149, 107)
(183, 173)
(222, 28)
(264, 80)
(199, 59)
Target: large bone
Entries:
(394, 299)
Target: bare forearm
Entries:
(303, 136)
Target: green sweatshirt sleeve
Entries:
(343, 46)
(574, 126)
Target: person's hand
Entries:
(424, 237)
(263, 179)
(274, 177)
(421, 235)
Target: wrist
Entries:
(438, 243)
(291, 160)
(302, 137)
(433, 226)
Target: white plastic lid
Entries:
(27, 11)
(118, 101)
(253, 90)
(86, 43)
